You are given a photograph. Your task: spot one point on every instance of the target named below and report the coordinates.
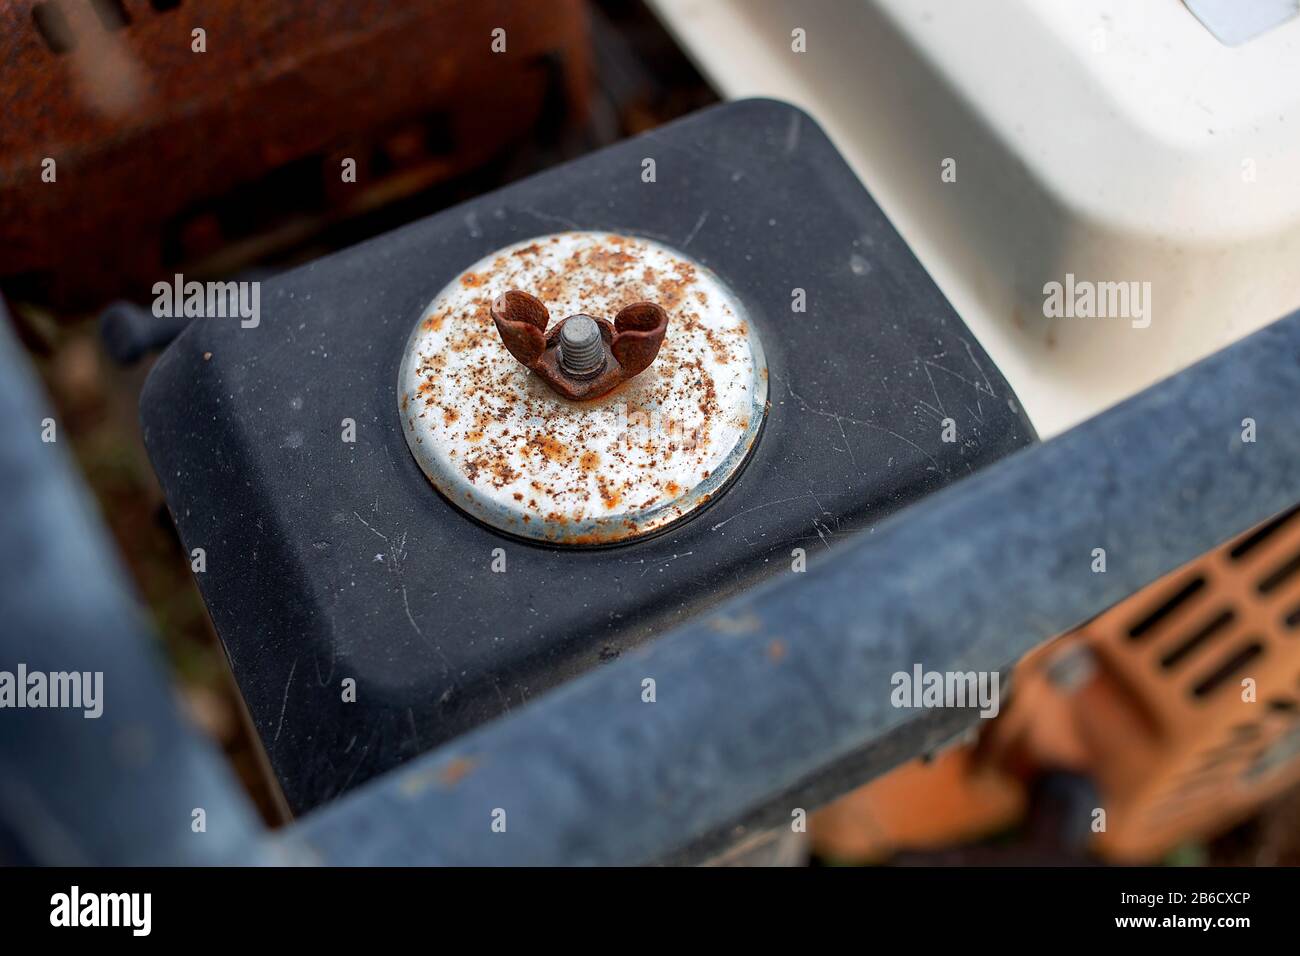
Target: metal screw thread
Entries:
(582, 354)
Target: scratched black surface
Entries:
(328, 560)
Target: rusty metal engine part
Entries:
(118, 160)
(582, 357)
(597, 447)
(1181, 704)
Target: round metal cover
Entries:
(498, 443)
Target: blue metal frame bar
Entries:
(120, 788)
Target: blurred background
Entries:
(228, 169)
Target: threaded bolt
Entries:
(582, 354)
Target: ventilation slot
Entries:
(52, 24)
(112, 14)
(1293, 618)
(1143, 626)
(1225, 671)
(1280, 576)
(1260, 535)
(1220, 622)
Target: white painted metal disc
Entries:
(498, 443)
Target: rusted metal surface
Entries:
(150, 138)
(620, 350)
(501, 444)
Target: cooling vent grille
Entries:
(1223, 637)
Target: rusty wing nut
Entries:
(575, 364)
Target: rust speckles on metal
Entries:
(646, 452)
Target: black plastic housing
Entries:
(328, 560)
